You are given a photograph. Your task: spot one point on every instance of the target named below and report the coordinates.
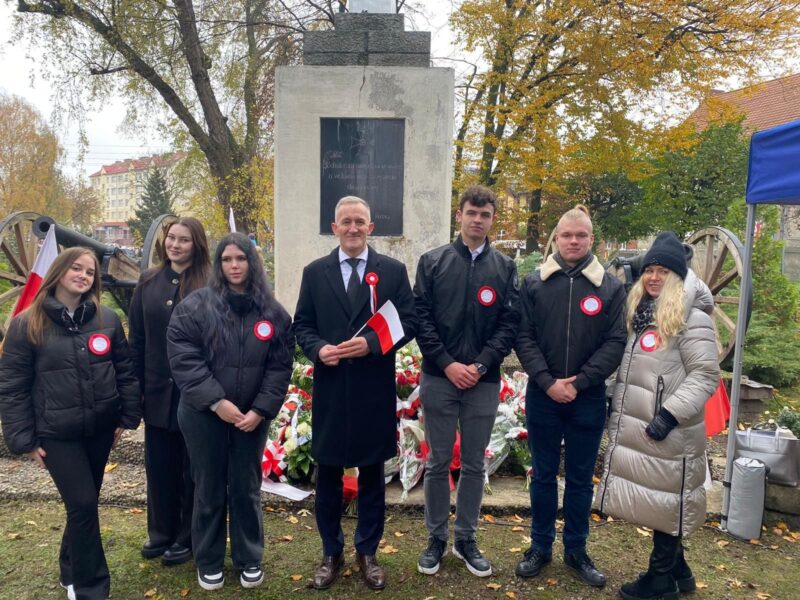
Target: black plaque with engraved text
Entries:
(364, 158)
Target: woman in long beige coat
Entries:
(655, 463)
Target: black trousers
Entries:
(226, 468)
(76, 467)
(371, 502)
(666, 550)
(170, 489)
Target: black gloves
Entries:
(661, 425)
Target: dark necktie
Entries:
(354, 282)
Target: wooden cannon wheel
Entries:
(718, 261)
(18, 251)
(152, 250)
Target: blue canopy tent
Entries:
(773, 177)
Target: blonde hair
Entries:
(577, 213)
(669, 310)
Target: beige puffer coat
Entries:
(660, 484)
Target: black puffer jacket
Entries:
(253, 373)
(72, 385)
(468, 310)
(572, 324)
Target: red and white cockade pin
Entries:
(263, 330)
(591, 305)
(99, 344)
(371, 278)
(649, 341)
(487, 295)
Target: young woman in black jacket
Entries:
(185, 266)
(67, 390)
(230, 349)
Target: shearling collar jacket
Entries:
(572, 324)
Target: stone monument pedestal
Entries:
(419, 97)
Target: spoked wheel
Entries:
(18, 251)
(718, 261)
(152, 251)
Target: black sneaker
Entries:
(428, 563)
(533, 563)
(251, 577)
(467, 550)
(582, 565)
(210, 581)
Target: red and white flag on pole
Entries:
(47, 254)
(386, 323)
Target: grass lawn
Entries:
(725, 568)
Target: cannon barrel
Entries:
(69, 239)
(118, 271)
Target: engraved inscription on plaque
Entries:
(364, 158)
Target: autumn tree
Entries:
(30, 178)
(206, 69)
(550, 77)
(87, 206)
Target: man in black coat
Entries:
(354, 406)
(571, 339)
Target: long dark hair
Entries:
(219, 315)
(196, 275)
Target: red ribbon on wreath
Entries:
(274, 461)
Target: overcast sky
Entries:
(106, 143)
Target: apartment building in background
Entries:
(120, 185)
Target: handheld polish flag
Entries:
(231, 221)
(47, 254)
(386, 324)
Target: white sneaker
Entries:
(210, 582)
(70, 590)
(251, 577)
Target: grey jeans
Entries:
(472, 411)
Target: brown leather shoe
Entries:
(371, 571)
(328, 571)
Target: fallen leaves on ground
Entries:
(151, 593)
(184, 592)
(136, 511)
(518, 528)
(701, 585)
(493, 586)
(286, 538)
(292, 519)
(296, 577)
(398, 534)
(722, 543)
(596, 518)
(488, 518)
(552, 581)
(389, 549)
(15, 536)
(515, 550)
(512, 595)
(110, 467)
(643, 532)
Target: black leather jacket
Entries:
(468, 310)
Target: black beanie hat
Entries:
(667, 251)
